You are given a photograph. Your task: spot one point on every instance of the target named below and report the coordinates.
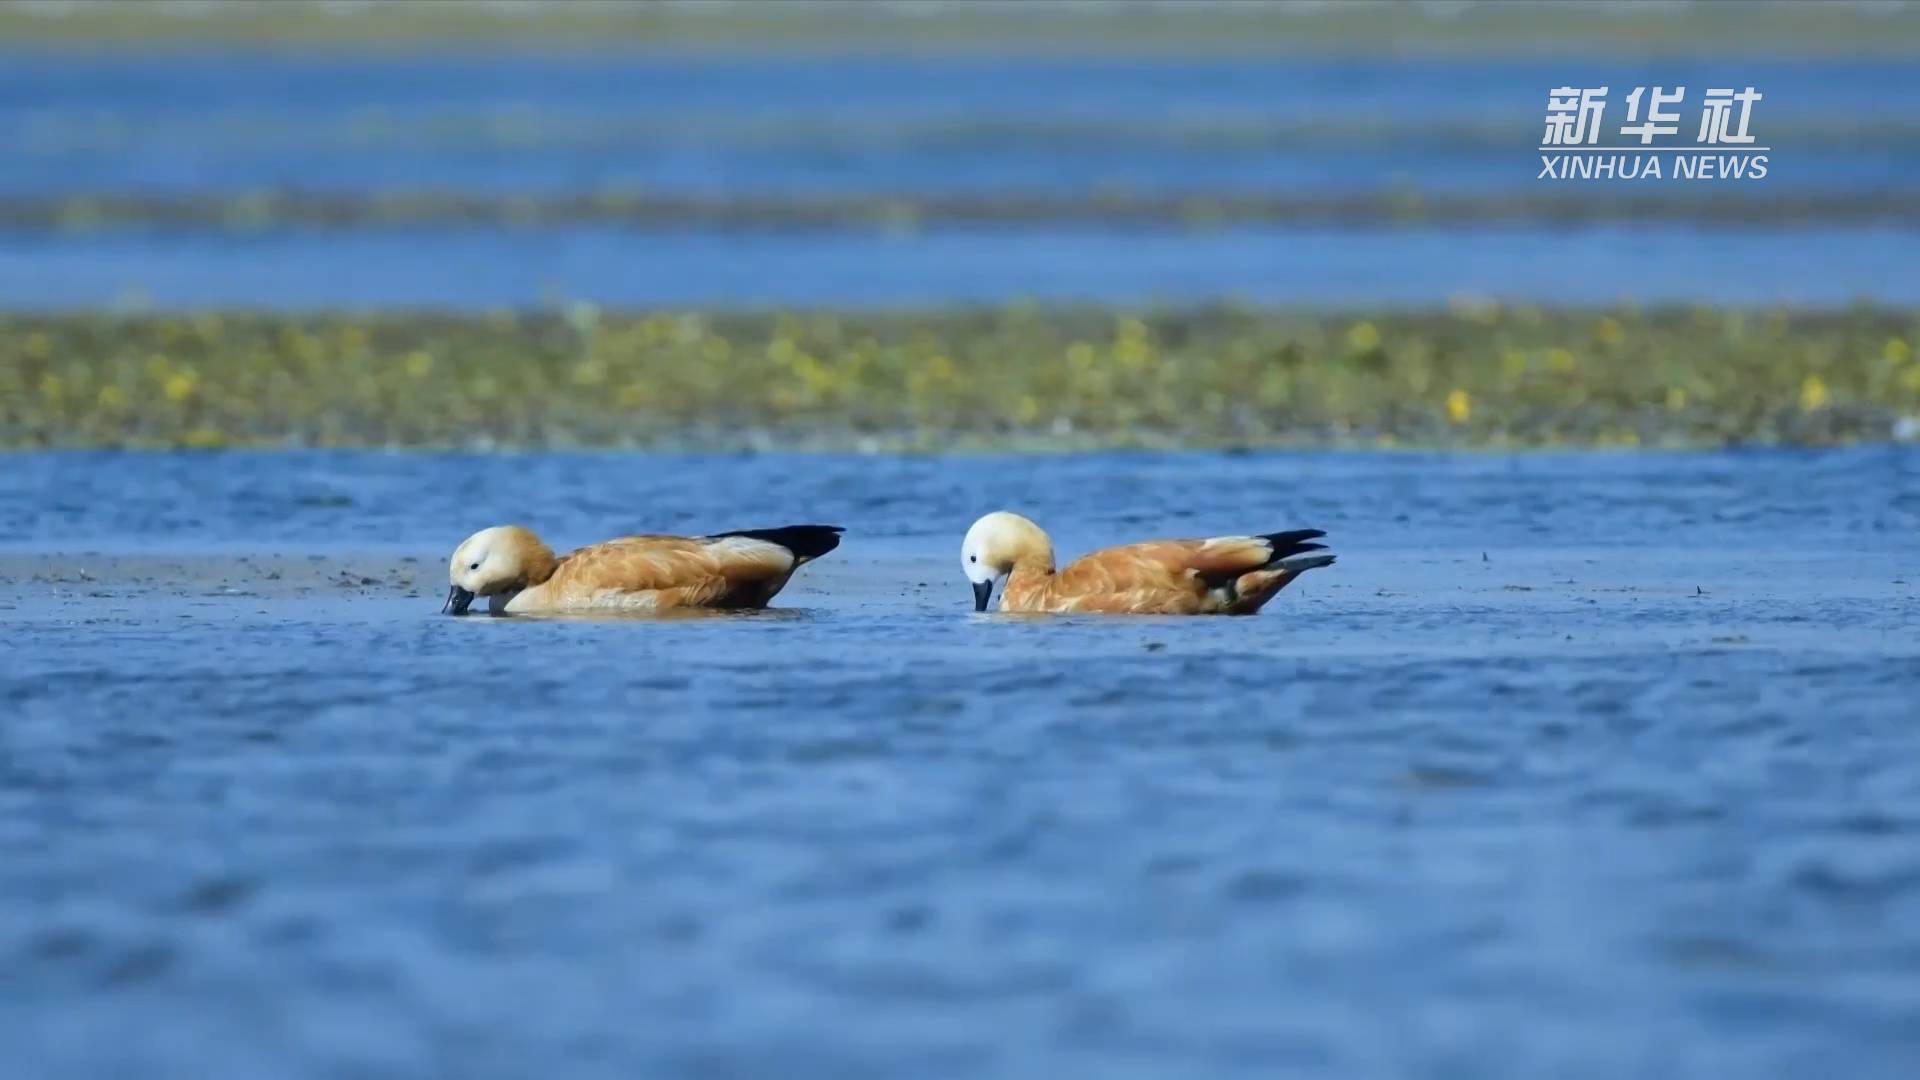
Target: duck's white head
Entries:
(994, 545)
(496, 561)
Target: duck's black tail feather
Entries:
(805, 541)
(1300, 564)
(1288, 544)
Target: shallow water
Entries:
(526, 121)
(1574, 765)
(504, 125)
(481, 269)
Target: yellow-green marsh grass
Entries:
(1014, 377)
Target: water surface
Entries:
(502, 126)
(1575, 765)
(527, 121)
(479, 269)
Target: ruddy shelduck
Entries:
(518, 574)
(1226, 575)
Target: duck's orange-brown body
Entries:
(662, 572)
(520, 575)
(1223, 575)
(1229, 575)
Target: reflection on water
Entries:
(1584, 765)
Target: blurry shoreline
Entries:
(1002, 378)
(1194, 27)
(907, 211)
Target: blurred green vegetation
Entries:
(1791, 27)
(262, 210)
(1016, 377)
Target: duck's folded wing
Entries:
(1178, 563)
(1228, 556)
(804, 542)
(1159, 564)
(648, 563)
(746, 558)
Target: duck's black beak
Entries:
(982, 592)
(458, 600)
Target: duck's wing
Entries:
(1224, 557)
(635, 564)
(1179, 574)
(729, 569)
(1165, 562)
(805, 542)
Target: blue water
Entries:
(1578, 765)
(478, 269)
(506, 124)
(518, 122)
